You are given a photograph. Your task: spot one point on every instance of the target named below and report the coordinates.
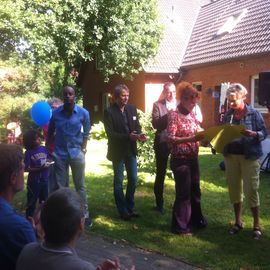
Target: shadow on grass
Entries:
(239, 251)
(212, 247)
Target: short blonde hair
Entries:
(236, 89)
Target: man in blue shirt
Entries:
(71, 126)
(15, 230)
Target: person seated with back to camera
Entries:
(15, 230)
(63, 207)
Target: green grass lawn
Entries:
(211, 248)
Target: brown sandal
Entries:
(236, 228)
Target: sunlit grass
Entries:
(211, 248)
(211, 187)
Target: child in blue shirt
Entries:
(37, 164)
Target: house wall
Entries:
(94, 88)
(211, 77)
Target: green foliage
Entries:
(146, 154)
(50, 79)
(121, 35)
(11, 27)
(21, 78)
(98, 131)
(22, 85)
(125, 35)
(17, 80)
(18, 106)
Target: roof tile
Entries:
(250, 36)
(178, 18)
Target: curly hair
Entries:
(29, 138)
(185, 89)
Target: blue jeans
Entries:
(125, 203)
(60, 177)
(37, 190)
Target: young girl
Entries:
(37, 164)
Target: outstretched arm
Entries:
(112, 265)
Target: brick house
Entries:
(146, 86)
(230, 42)
(208, 43)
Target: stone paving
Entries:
(95, 249)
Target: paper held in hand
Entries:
(219, 136)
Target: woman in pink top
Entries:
(182, 127)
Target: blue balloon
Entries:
(41, 113)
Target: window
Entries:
(254, 94)
(152, 93)
(197, 85)
(231, 23)
(106, 100)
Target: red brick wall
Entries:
(213, 75)
(93, 86)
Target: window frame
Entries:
(258, 107)
(196, 84)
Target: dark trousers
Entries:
(37, 190)
(162, 155)
(187, 205)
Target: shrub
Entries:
(146, 154)
(98, 131)
(18, 107)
